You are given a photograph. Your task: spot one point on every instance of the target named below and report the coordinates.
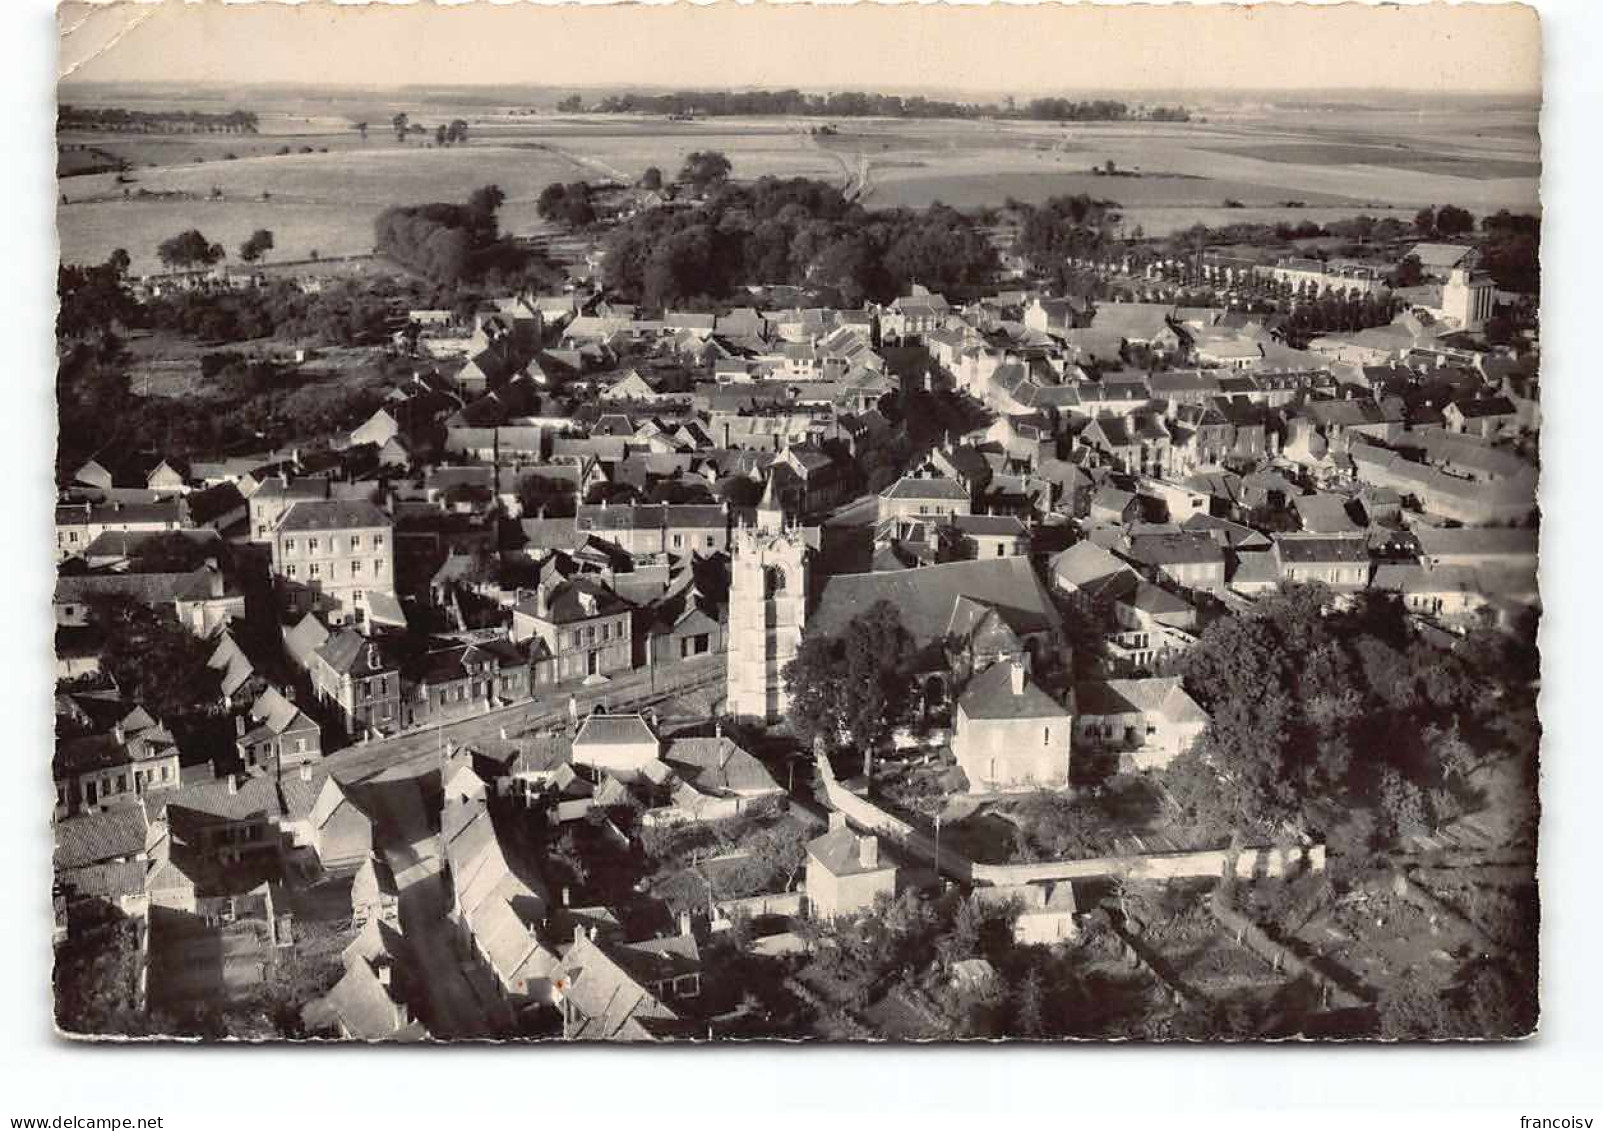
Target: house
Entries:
(717, 767)
(1044, 913)
(1513, 549)
(614, 992)
(620, 745)
(277, 494)
(200, 600)
(334, 556)
(1091, 576)
(1146, 722)
(911, 497)
(276, 734)
(1009, 734)
(341, 830)
(1112, 506)
(233, 821)
(356, 677)
(496, 907)
(914, 315)
(987, 536)
(1341, 563)
(136, 757)
(845, 872)
(1193, 561)
(460, 679)
(1439, 260)
(584, 625)
(372, 1001)
(657, 528)
(1487, 417)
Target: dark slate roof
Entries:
(331, 515)
(909, 488)
(1175, 549)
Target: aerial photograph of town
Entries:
(699, 558)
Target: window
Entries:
(315, 568)
(289, 545)
(678, 541)
(378, 541)
(356, 541)
(710, 542)
(357, 595)
(300, 746)
(166, 772)
(606, 632)
(378, 567)
(311, 545)
(289, 571)
(1046, 736)
(356, 569)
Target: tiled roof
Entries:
(92, 838)
(718, 764)
(839, 851)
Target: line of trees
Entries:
(860, 104)
(116, 119)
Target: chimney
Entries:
(868, 851)
(233, 785)
(542, 602)
(684, 924)
(118, 731)
(566, 896)
(718, 729)
(306, 771)
(579, 933)
(503, 734)
(382, 972)
(239, 726)
(1016, 676)
(837, 820)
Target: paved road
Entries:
(409, 755)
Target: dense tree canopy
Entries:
(94, 300)
(1312, 708)
(456, 243)
(796, 231)
(258, 245)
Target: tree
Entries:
(401, 121)
(440, 135)
(457, 131)
(153, 658)
(259, 244)
(568, 204)
(189, 249)
(361, 128)
(1452, 220)
(1425, 221)
(572, 104)
(852, 687)
(651, 178)
(1409, 272)
(705, 170)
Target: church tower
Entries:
(767, 610)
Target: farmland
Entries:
(1269, 163)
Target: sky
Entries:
(1001, 47)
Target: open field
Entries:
(1335, 162)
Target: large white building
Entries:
(334, 557)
